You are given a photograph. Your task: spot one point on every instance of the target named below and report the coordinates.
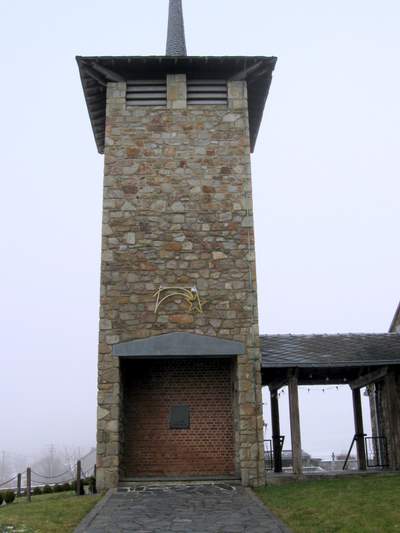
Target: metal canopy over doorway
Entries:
(178, 344)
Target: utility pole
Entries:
(3, 464)
(51, 451)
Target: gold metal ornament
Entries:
(189, 294)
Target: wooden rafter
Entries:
(367, 379)
(94, 75)
(108, 73)
(242, 75)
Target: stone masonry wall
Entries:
(178, 212)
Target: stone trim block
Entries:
(237, 95)
(176, 91)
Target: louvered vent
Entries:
(207, 92)
(146, 92)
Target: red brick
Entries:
(151, 389)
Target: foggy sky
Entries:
(325, 178)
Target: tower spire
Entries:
(176, 44)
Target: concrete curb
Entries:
(86, 522)
(282, 527)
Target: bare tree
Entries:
(71, 456)
(50, 466)
(6, 469)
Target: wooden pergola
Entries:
(356, 360)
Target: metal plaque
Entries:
(179, 417)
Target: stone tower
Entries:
(179, 383)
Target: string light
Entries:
(315, 389)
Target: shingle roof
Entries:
(343, 350)
(176, 44)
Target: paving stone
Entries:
(185, 509)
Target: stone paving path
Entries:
(184, 509)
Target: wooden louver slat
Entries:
(146, 96)
(146, 93)
(145, 89)
(193, 82)
(207, 92)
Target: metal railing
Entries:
(376, 452)
(269, 452)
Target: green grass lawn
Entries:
(349, 505)
(50, 513)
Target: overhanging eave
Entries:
(96, 72)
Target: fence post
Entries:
(78, 478)
(19, 480)
(94, 488)
(28, 484)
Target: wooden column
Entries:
(390, 415)
(359, 429)
(276, 431)
(295, 423)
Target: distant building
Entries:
(395, 325)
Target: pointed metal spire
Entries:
(176, 44)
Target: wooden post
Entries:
(28, 484)
(295, 423)
(390, 417)
(359, 429)
(276, 431)
(19, 484)
(78, 478)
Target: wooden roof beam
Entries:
(94, 75)
(278, 384)
(242, 75)
(367, 379)
(108, 73)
